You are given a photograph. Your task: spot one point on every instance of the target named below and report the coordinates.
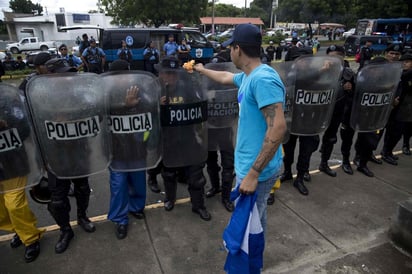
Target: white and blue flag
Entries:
(244, 237)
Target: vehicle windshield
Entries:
(195, 39)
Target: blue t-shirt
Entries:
(170, 48)
(262, 87)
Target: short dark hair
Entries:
(252, 51)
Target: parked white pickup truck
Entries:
(30, 43)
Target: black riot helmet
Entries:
(40, 193)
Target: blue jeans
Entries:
(262, 190)
(128, 193)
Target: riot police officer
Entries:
(379, 78)
(270, 51)
(400, 117)
(59, 206)
(174, 102)
(329, 137)
(307, 144)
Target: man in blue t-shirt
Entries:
(258, 155)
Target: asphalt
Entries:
(341, 227)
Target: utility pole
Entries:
(245, 7)
(273, 13)
(213, 18)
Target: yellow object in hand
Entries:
(189, 66)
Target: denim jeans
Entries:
(262, 190)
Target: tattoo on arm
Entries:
(271, 141)
(269, 113)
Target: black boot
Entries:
(300, 185)
(346, 165)
(170, 184)
(82, 194)
(15, 241)
(364, 168)
(375, 160)
(86, 224)
(286, 175)
(389, 158)
(324, 167)
(64, 240)
(32, 252)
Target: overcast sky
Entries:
(53, 6)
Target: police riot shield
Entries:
(134, 120)
(20, 160)
(312, 100)
(372, 102)
(284, 69)
(183, 111)
(223, 110)
(69, 113)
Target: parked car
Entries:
(227, 33)
(354, 42)
(348, 33)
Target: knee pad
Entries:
(56, 206)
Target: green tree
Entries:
(155, 12)
(223, 10)
(25, 6)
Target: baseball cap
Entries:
(394, 47)
(41, 58)
(59, 65)
(245, 34)
(406, 56)
(92, 40)
(335, 48)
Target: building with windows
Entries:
(48, 27)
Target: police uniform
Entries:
(94, 58)
(366, 54)
(399, 121)
(270, 51)
(73, 61)
(151, 57)
(59, 205)
(367, 142)
(193, 173)
(330, 136)
(307, 144)
(226, 156)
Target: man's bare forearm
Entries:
(223, 77)
(276, 127)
